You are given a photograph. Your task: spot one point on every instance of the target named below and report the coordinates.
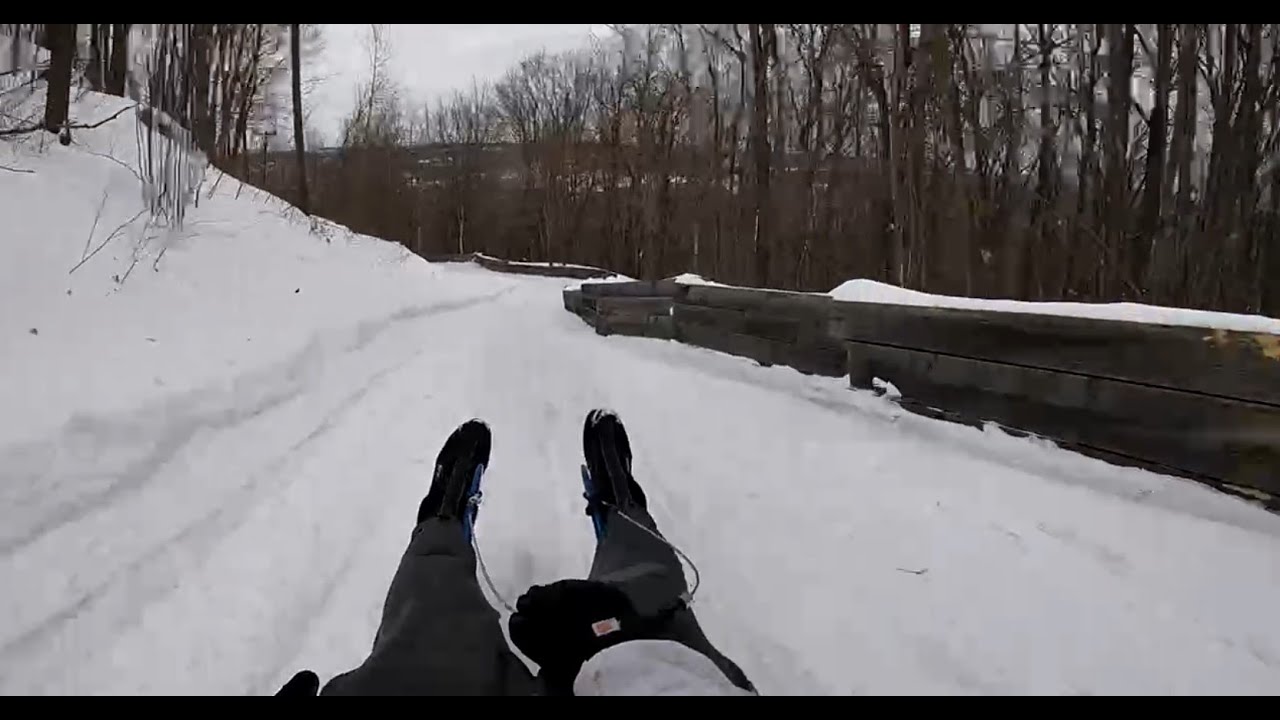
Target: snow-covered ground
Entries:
(208, 472)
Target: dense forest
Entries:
(1046, 161)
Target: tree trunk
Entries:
(118, 68)
(1046, 155)
(1209, 285)
(812, 137)
(760, 53)
(716, 162)
(1242, 296)
(62, 49)
(1181, 153)
(1017, 250)
(1149, 234)
(247, 93)
(202, 119)
(299, 143)
(16, 46)
(97, 56)
(916, 124)
(1116, 177)
(1184, 124)
(230, 70)
(887, 145)
(953, 117)
(899, 165)
(1089, 141)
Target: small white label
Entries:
(604, 627)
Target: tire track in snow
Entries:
(298, 623)
(124, 596)
(85, 434)
(161, 432)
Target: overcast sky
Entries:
(429, 60)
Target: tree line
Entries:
(1092, 162)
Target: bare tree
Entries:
(376, 115)
(299, 140)
(99, 50)
(466, 125)
(1155, 192)
(62, 50)
(118, 64)
(763, 45)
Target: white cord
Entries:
(697, 576)
(475, 545)
(687, 596)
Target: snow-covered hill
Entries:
(209, 467)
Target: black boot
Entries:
(455, 484)
(607, 472)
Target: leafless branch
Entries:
(214, 188)
(17, 170)
(104, 121)
(93, 228)
(1141, 113)
(71, 126)
(112, 158)
(110, 237)
(20, 130)
(129, 270)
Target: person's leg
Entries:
(630, 553)
(647, 570)
(640, 564)
(439, 635)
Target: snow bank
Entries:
(683, 279)
(693, 279)
(876, 292)
(577, 284)
(100, 307)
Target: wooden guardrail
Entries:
(1182, 399)
(580, 272)
(770, 327)
(1189, 401)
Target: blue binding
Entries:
(594, 510)
(473, 501)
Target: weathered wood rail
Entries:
(515, 267)
(1194, 402)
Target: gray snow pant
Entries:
(440, 636)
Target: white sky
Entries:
(429, 60)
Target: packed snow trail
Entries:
(217, 541)
(213, 443)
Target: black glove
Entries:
(561, 625)
(304, 684)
